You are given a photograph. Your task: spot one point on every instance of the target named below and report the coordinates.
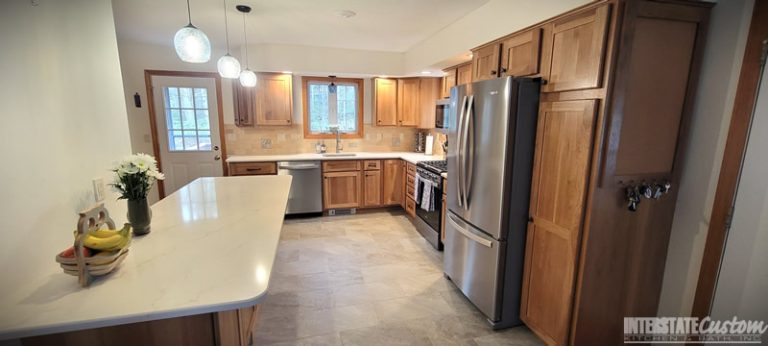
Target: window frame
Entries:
(305, 80)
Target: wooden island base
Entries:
(225, 328)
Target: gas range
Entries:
(435, 166)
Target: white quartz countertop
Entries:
(211, 248)
(407, 156)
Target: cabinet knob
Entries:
(503, 70)
(493, 72)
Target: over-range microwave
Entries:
(442, 113)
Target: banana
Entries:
(113, 242)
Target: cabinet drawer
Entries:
(341, 166)
(372, 165)
(252, 168)
(411, 169)
(410, 207)
(410, 192)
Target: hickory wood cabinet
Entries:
(223, 328)
(269, 103)
(456, 75)
(620, 81)
(362, 183)
(406, 102)
(514, 55)
(393, 186)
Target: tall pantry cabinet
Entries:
(620, 79)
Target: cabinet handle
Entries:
(253, 169)
(503, 70)
(493, 72)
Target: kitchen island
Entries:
(197, 278)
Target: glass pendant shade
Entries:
(248, 78)
(192, 45)
(228, 67)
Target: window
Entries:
(186, 117)
(326, 105)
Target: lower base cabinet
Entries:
(371, 189)
(225, 328)
(342, 190)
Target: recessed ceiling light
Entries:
(347, 13)
(426, 72)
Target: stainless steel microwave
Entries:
(442, 113)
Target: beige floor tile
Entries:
(383, 335)
(368, 279)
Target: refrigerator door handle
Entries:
(469, 149)
(460, 153)
(474, 237)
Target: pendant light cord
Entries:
(189, 14)
(226, 25)
(245, 35)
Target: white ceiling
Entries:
(380, 25)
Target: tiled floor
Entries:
(368, 279)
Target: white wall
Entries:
(712, 112)
(490, 21)
(63, 123)
(743, 279)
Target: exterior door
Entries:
(187, 121)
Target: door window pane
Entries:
(187, 110)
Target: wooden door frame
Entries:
(733, 159)
(148, 74)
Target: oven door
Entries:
(432, 218)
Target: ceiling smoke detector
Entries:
(347, 13)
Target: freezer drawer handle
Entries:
(468, 234)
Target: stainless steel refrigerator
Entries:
(492, 134)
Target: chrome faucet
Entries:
(335, 129)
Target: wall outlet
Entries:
(99, 189)
(266, 143)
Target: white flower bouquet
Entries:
(135, 175)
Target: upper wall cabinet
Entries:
(456, 75)
(578, 50)
(405, 101)
(520, 54)
(408, 101)
(485, 62)
(274, 99)
(269, 103)
(385, 101)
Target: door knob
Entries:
(217, 157)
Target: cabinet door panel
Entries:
(371, 188)
(341, 190)
(520, 54)
(393, 187)
(485, 62)
(274, 99)
(449, 80)
(244, 101)
(578, 49)
(463, 74)
(558, 194)
(408, 102)
(385, 102)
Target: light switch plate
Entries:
(99, 189)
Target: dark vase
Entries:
(139, 215)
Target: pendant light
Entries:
(228, 65)
(247, 77)
(191, 43)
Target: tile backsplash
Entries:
(290, 140)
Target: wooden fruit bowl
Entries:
(98, 265)
(101, 263)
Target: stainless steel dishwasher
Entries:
(306, 195)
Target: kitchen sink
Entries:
(339, 154)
